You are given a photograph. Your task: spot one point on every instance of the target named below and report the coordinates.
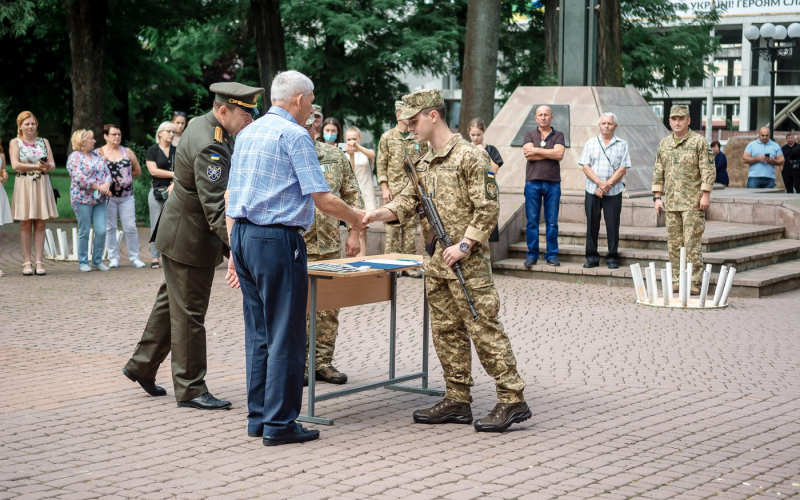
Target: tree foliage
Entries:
(355, 51)
(659, 48)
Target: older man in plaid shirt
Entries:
(605, 159)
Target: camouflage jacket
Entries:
(392, 148)
(683, 172)
(323, 236)
(459, 180)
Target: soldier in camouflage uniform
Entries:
(395, 145)
(463, 188)
(684, 172)
(323, 242)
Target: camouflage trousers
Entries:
(453, 328)
(327, 324)
(685, 229)
(400, 238)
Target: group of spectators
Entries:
(101, 190)
(763, 156)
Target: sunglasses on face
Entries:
(179, 113)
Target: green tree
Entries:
(659, 48)
(522, 48)
(355, 51)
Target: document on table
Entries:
(393, 262)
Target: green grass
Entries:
(60, 180)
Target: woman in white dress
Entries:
(361, 160)
(5, 208)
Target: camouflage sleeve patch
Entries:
(711, 156)
(490, 186)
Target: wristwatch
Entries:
(464, 247)
(656, 198)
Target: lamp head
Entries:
(794, 30)
(752, 33)
(767, 30)
(780, 33)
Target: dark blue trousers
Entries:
(271, 264)
(535, 193)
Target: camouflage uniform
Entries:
(323, 240)
(459, 181)
(392, 148)
(682, 172)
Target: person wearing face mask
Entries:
(192, 236)
(331, 132)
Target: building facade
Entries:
(740, 85)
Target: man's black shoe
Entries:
(590, 265)
(553, 262)
(529, 263)
(205, 402)
(300, 435)
(613, 265)
(149, 385)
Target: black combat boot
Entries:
(503, 415)
(444, 412)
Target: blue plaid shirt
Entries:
(274, 171)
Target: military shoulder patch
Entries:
(490, 186)
(711, 156)
(214, 157)
(214, 172)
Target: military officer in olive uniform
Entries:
(462, 186)
(684, 171)
(395, 145)
(192, 237)
(323, 242)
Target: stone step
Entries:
(752, 283)
(717, 235)
(742, 258)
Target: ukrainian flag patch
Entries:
(214, 157)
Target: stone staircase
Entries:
(765, 261)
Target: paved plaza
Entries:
(627, 401)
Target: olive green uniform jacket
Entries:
(191, 229)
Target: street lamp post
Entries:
(779, 43)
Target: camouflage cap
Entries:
(310, 120)
(317, 109)
(415, 102)
(679, 111)
(398, 105)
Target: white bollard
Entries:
(664, 285)
(723, 275)
(638, 282)
(91, 243)
(728, 285)
(49, 244)
(683, 261)
(669, 280)
(74, 255)
(653, 275)
(704, 286)
(689, 271)
(63, 245)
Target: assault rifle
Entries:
(428, 209)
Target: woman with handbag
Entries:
(160, 161)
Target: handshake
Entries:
(363, 218)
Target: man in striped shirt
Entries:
(605, 159)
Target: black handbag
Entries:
(162, 193)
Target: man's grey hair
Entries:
(288, 84)
(610, 115)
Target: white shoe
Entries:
(113, 263)
(137, 263)
(85, 268)
(101, 267)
